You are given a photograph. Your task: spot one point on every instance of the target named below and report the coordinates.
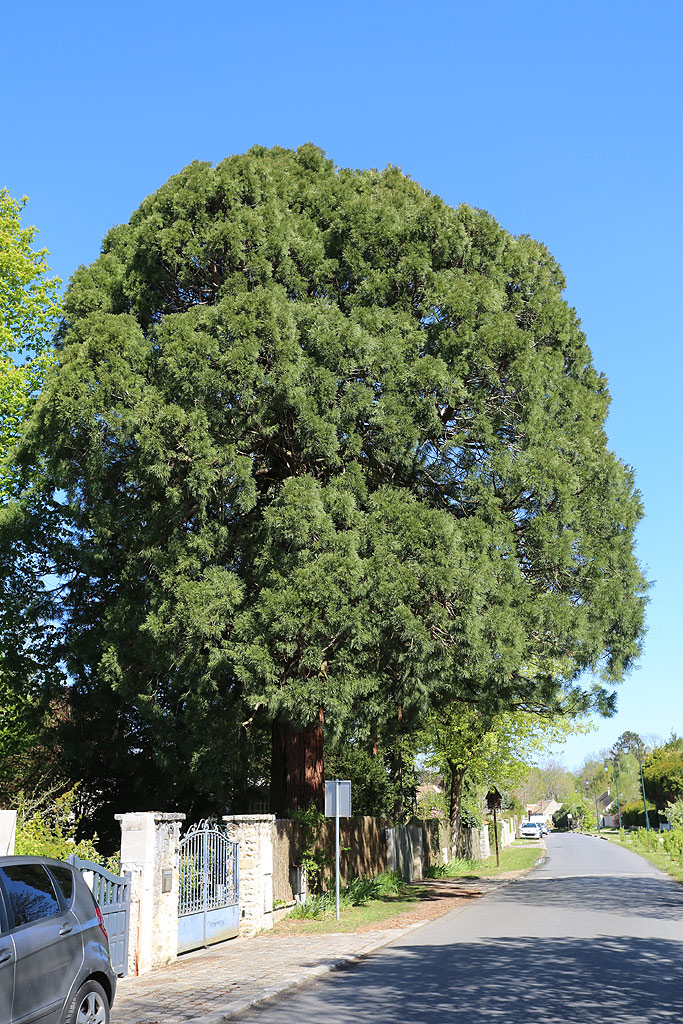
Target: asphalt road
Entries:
(593, 935)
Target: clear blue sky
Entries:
(563, 120)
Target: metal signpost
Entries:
(337, 805)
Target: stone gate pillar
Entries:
(149, 851)
(8, 829)
(254, 834)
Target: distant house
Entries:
(542, 811)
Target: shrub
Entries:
(673, 843)
(456, 867)
(357, 893)
(470, 818)
(48, 828)
(647, 840)
(314, 858)
(633, 814)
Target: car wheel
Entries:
(89, 1006)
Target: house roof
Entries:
(544, 807)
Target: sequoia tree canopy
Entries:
(324, 447)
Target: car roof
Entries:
(25, 859)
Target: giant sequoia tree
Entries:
(324, 447)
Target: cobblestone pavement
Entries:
(212, 985)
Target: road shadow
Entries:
(643, 895)
(611, 980)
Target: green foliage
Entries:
(29, 310)
(454, 869)
(357, 893)
(314, 858)
(433, 805)
(633, 814)
(49, 828)
(374, 788)
(578, 810)
(663, 772)
(673, 844)
(674, 814)
(589, 820)
(318, 441)
(649, 840)
(470, 818)
(514, 805)
(673, 839)
(492, 834)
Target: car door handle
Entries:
(5, 956)
(66, 929)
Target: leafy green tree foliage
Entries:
(549, 780)
(581, 813)
(373, 787)
(325, 443)
(500, 751)
(663, 772)
(29, 311)
(624, 772)
(630, 743)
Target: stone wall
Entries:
(254, 833)
(484, 850)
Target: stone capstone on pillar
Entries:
(149, 847)
(253, 832)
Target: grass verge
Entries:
(512, 858)
(659, 858)
(351, 919)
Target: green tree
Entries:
(29, 311)
(500, 751)
(325, 443)
(663, 772)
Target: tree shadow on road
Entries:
(644, 895)
(607, 979)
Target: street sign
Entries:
(344, 789)
(337, 805)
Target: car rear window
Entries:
(31, 892)
(65, 880)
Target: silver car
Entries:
(54, 950)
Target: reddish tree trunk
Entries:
(297, 770)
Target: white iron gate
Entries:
(208, 900)
(112, 893)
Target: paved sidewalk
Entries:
(211, 985)
(215, 984)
